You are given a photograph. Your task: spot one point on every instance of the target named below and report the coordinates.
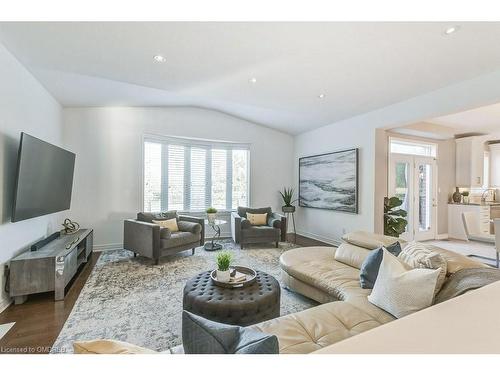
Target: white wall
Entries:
(24, 106)
(108, 144)
(361, 131)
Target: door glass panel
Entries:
(424, 197)
(402, 190)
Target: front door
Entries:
(413, 180)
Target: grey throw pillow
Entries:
(203, 336)
(370, 267)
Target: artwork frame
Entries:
(342, 192)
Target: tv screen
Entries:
(44, 179)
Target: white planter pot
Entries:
(211, 217)
(223, 276)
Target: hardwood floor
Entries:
(39, 320)
(306, 241)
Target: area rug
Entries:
(132, 300)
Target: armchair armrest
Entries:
(277, 220)
(193, 219)
(189, 226)
(236, 227)
(142, 238)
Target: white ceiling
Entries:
(359, 66)
(483, 120)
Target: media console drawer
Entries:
(51, 267)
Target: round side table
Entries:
(212, 245)
(244, 306)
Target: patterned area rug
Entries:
(132, 300)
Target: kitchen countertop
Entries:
(476, 204)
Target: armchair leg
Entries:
(157, 261)
(192, 251)
(135, 255)
(277, 244)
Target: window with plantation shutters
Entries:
(191, 175)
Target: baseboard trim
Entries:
(5, 303)
(107, 247)
(318, 237)
(443, 236)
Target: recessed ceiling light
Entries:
(452, 29)
(321, 96)
(253, 80)
(159, 59)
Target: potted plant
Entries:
(223, 262)
(287, 195)
(394, 217)
(211, 214)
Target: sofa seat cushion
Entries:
(259, 231)
(312, 329)
(179, 239)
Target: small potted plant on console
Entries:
(211, 214)
(223, 262)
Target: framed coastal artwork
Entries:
(330, 181)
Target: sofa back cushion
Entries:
(417, 255)
(369, 269)
(242, 211)
(455, 261)
(369, 240)
(351, 255)
(148, 217)
(401, 290)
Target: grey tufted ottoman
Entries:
(241, 306)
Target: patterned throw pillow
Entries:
(169, 224)
(257, 219)
(401, 290)
(203, 336)
(370, 267)
(417, 255)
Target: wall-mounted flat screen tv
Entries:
(44, 179)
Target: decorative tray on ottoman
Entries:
(236, 271)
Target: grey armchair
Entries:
(245, 233)
(143, 237)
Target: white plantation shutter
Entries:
(198, 188)
(152, 176)
(191, 175)
(175, 172)
(219, 176)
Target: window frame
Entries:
(193, 142)
(416, 142)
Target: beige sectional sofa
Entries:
(331, 276)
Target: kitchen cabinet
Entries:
(456, 229)
(470, 162)
(495, 164)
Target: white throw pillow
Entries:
(401, 290)
(417, 255)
